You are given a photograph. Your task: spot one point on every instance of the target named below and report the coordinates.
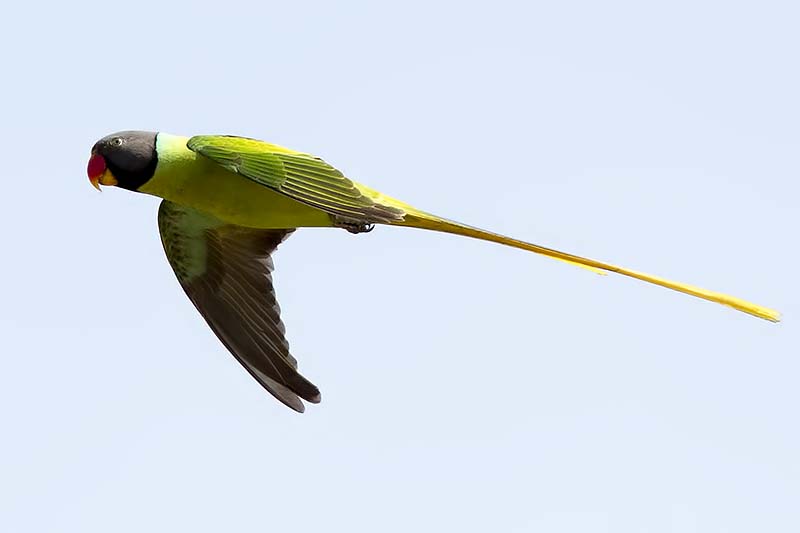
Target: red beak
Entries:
(95, 169)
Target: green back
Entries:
(300, 176)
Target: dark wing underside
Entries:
(226, 271)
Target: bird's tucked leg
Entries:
(352, 225)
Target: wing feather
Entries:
(226, 271)
(300, 176)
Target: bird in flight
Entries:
(228, 202)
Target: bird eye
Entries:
(116, 141)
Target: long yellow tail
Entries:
(425, 221)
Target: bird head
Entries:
(126, 159)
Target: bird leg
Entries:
(351, 225)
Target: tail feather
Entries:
(426, 221)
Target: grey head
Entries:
(130, 156)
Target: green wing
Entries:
(300, 176)
(226, 271)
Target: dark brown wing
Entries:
(226, 271)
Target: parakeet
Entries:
(228, 202)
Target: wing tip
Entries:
(315, 399)
(295, 403)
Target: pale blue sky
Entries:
(466, 386)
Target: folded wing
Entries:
(302, 177)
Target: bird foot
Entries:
(353, 226)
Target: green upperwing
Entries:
(300, 176)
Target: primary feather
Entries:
(226, 271)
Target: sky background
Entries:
(492, 389)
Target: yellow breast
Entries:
(189, 179)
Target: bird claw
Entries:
(353, 226)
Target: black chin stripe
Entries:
(132, 180)
(131, 157)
